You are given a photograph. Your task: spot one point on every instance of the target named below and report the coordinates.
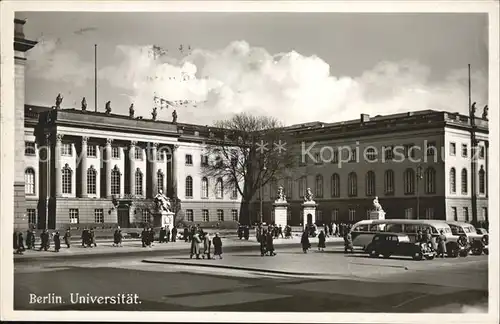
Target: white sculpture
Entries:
(376, 205)
(281, 195)
(308, 196)
(162, 202)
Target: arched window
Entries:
(302, 186)
(335, 185)
(29, 181)
(352, 184)
(234, 189)
(389, 182)
(91, 181)
(482, 181)
(370, 183)
(115, 181)
(319, 186)
(66, 180)
(160, 178)
(430, 181)
(409, 181)
(219, 189)
(189, 187)
(138, 182)
(204, 188)
(289, 188)
(453, 180)
(464, 181)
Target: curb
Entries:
(224, 266)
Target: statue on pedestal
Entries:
(376, 205)
(59, 100)
(309, 195)
(154, 113)
(473, 110)
(485, 112)
(108, 107)
(162, 202)
(174, 116)
(281, 195)
(131, 111)
(84, 104)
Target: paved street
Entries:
(244, 281)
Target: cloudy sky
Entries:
(298, 67)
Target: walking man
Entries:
(67, 238)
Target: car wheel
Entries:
(417, 256)
(373, 253)
(486, 251)
(453, 252)
(387, 256)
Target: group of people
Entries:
(438, 243)
(88, 237)
(45, 238)
(201, 244)
(166, 235)
(334, 229)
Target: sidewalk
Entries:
(106, 247)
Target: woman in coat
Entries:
(321, 241)
(262, 240)
(195, 246)
(304, 241)
(57, 241)
(207, 245)
(270, 244)
(67, 238)
(217, 246)
(441, 244)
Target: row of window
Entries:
(205, 215)
(465, 150)
(219, 188)
(465, 213)
(409, 177)
(464, 181)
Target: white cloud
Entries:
(289, 86)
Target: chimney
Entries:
(365, 118)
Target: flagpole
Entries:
(95, 77)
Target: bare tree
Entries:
(247, 152)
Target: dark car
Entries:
(399, 244)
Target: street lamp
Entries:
(262, 193)
(419, 177)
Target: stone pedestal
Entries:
(165, 219)
(280, 213)
(308, 208)
(377, 214)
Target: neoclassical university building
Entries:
(76, 167)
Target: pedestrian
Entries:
(195, 246)
(174, 233)
(67, 238)
(151, 237)
(84, 237)
(29, 241)
(270, 244)
(163, 234)
(167, 234)
(321, 241)
(15, 242)
(92, 237)
(262, 241)
(348, 243)
(441, 240)
(330, 228)
(325, 229)
(144, 237)
(280, 231)
(304, 241)
(117, 237)
(207, 245)
(44, 238)
(186, 234)
(20, 243)
(217, 246)
(57, 242)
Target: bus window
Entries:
(394, 228)
(411, 228)
(374, 228)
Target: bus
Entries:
(363, 231)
